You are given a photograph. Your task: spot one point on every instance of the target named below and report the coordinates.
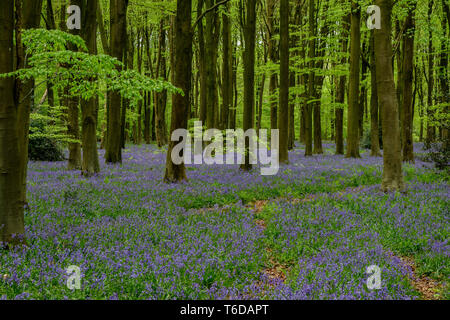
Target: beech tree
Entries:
(283, 117)
(392, 156)
(118, 13)
(353, 95)
(183, 73)
(11, 199)
(248, 25)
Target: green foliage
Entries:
(44, 141)
(84, 74)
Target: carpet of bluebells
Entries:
(135, 237)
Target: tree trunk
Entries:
(340, 92)
(90, 163)
(392, 173)
(29, 16)
(273, 56)
(227, 82)
(353, 105)
(374, 129)
(182, 75)
(249, 27)
(161, 97)
(11, 168)
(211, 51)
(431, 130)
(73, 126)
(118, 14)
(202, 63)
(283, 115)
(407, 83)
(311, 81)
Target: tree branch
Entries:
(207, 11)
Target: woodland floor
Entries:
(309, 232)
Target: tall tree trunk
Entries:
(227, 82)
(431, 129)
(182, 75)
(311, 81)
(211, 51)
(29, 16)
(340, 92)
(248, 21)
(161, 97)
(374, 129)
(202, 63)
(90, 163)
(443, 76)
(318, 149)
(73, 126)
(392, 173)
(11, 171)
(407, 83)
(118, 16)
(353, 104)
(283, 116)
(273, 56)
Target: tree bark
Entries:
(340, 92)
(353, 104)
(90, 163)
(227, 72)
(118, 16)
(392, 173)
(272, 31)
(183, 74)
(283, 115)
(161, 97)
(407, 86)
(11, 170)
(29, 16)
(431, 129)
(374, 128)
(248, 21)
(311, 81)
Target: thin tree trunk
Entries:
(227, 81)
(353, 104)
(283, 115)
(407, 83)
(273, 56)
(311, 81)
(249, 27)
(374, 129)
(340, 93)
